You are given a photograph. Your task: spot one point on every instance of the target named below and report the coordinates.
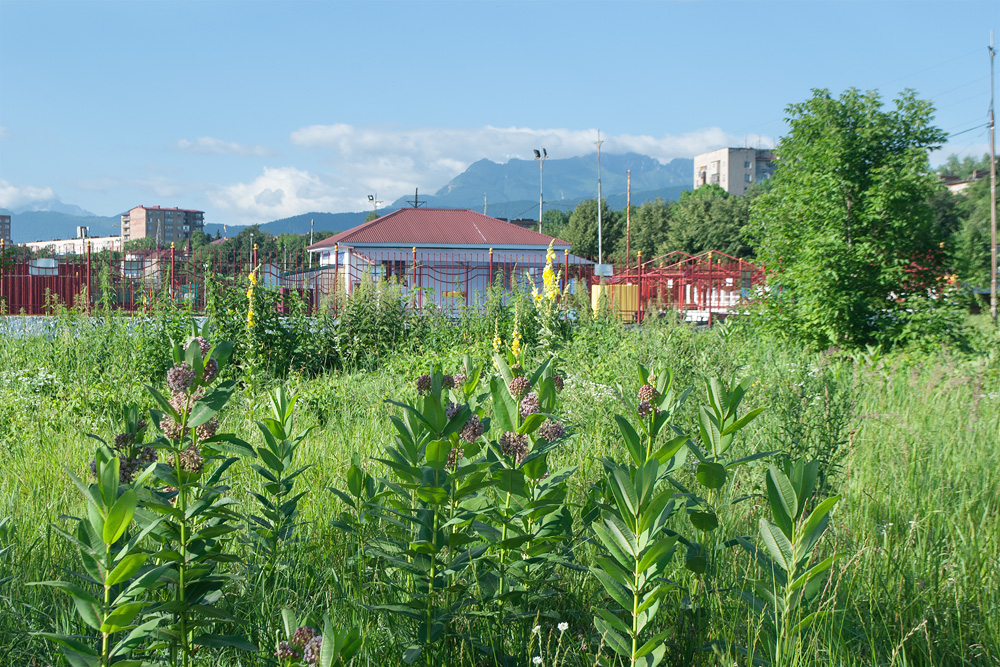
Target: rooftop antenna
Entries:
(415, 202)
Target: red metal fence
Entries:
(699, 286)
(136, 281)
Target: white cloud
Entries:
(279, 193)
(394, 161)
(457, 148)
(12, 196)
(359, 161)
(213, 146)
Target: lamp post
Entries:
(541, 157)
(375, 202)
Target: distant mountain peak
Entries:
(54, 205)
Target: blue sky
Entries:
(253, 111)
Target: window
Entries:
(749, 179)
(746, 165)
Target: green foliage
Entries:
(634, 562)
(581, 230)
(708, 219)
(791, 581)
(278, 505)
(846, 215)
(113, 596)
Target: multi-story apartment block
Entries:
(733, 169)
(165, 225)
(5, 228)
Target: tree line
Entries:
(708, 218)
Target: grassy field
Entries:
(911, 444)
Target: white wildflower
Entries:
(535, 630)
(563, 627)
(537, 660)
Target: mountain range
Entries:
(508, 190)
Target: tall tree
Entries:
(847, 214)
(709, 218)
(581, 230)
(650, 224)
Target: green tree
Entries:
(970, 245)
(709, 218)
(963, 168)
(554, 222)
(650, 223)
(581, 230)
(371, 216)
(846, 215)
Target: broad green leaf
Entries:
(742, 421)
(781, 496)
(119, 517)
(437, 453)
(125, 568)
(531, 423)
(631, 438)
(777, 544)
(121, 618)
(619, 593)
(812, 573)
(704, 521)
(711, 475)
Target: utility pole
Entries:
(485, 204)
(600, 244)
(311, 221)
(628, 215)
(993, 197)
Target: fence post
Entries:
(3, 254)
(491, 267)
(565, 268)
(417, 296)
(254, 255)
(88, 276)
(638, 303)
(336, 273)
(710, 275)
(173, 275)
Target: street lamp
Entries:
(541, 157)
(375, 202)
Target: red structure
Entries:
(700, 286)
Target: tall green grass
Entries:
(909, 442)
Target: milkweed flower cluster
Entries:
(305, 645)
(529, 404)
(519, 386)
(647, 392)
(473, 429)
(514, 446)
(131, 459)
(550, 430)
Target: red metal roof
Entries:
(439, 227)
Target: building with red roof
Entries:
(449, 255)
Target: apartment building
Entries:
(5, 228)
(165, 225)
(733, 169)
